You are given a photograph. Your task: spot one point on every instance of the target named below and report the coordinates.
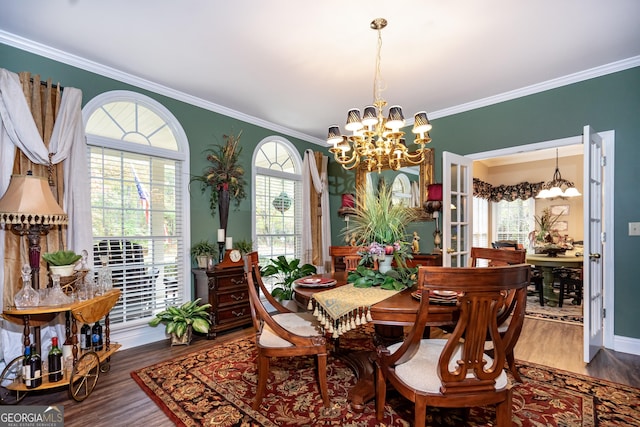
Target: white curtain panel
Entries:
(68, 142)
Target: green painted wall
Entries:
(611, 102)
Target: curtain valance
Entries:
(523, 190)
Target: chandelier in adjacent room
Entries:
(558, 187)
(376, 140)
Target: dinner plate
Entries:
(315, 282)
(445, 293)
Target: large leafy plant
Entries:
(224, 172)
(286, 272)
(378, 219)
(178, 319)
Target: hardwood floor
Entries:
(118, 401)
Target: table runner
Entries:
(343, 308)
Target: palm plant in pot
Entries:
(181, 320)
(378, 220)
(224, 177)
(286, 273)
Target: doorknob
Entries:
(450, 251)
(594, 256)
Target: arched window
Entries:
(138, 163)
(277, 200)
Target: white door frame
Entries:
(608, 139)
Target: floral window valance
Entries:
(523, 190)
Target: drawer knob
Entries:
(238, 314)
(238, 281)
(237, 297)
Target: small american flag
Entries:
(144, 196)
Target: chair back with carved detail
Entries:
(456, 371)
(344, 258)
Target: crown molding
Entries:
(94, 67)
(580, 76)
(103, 70)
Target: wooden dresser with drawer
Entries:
(228, 295)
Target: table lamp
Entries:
(29, 208)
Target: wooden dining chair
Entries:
(494, 258)
(283, 334)
(456, 372)
(344, 255)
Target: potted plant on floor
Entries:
(286, 272)
(181, 321)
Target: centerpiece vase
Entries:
(384, 264)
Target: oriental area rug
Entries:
(216, 387)
(569, 312)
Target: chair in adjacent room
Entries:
(456, 372)
(283, 334)
(570, 283)
(506, 244)
(494, 258)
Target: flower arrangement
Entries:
(545, 223)
(224, 172)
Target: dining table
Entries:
(547, 264)
(389, 317)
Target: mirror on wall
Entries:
(409, 183)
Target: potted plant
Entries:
(61, 262)
(202, 251)
(379, 224)
(181, 320)
(224, 177)
(287, 272)
(244, 246)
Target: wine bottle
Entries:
(35, 368)
(96, 337)
(55, 361)
(26, 372)
(85, 337)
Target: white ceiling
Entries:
(297, 66)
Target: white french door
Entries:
(457, 212)
(593, 196)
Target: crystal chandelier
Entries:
(558, 187)
(375, 140)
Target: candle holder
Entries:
(220, 251)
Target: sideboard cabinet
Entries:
(425, 260)
(228, 295)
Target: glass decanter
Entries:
(105, 281)
(56, 294)
(27, 296)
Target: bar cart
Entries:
(83, 376)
